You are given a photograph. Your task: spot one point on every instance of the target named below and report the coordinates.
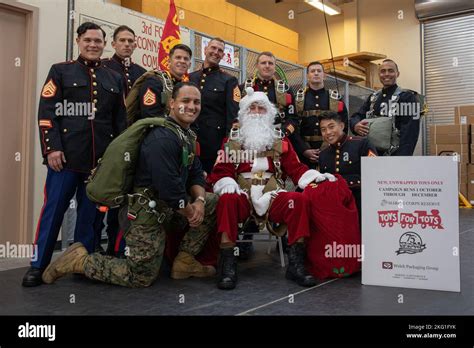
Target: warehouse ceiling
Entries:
(277, 10)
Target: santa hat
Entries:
(252, 97)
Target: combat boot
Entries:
(296, 270)
(185, 266)
(71, 261)
(227, 269)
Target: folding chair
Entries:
(261, 227)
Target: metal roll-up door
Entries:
(448, 56)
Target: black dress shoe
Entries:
(32, 277)
(227, 269)
(296, 270)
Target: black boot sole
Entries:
(226, 286)
(298, 281)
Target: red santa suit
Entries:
(290, 208)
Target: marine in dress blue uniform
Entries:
(81, 110)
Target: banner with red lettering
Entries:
(410, 222)
(171, 36)
(149, 30)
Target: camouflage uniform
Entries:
(146, 243)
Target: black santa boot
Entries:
(227, 269)
(296, 270)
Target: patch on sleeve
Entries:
(49, 89)
(237, 95)
(290, 129)
(371, 154)
(149, 98)
(45, 123)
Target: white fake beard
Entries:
(257, 132)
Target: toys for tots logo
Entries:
(389, 218)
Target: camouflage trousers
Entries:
(145, 241)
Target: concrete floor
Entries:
(262, 290)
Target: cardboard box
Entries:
(450, 133)
(464, 114)
(470, 170)
(462, 150)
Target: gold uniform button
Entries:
(94, 83)
(47, 140)
(202, 87)
(337, 170)
(337, 151)
(93, 75)
(45, 132)
(204, 75)
(317, 97)
(337, 157)
(64, 130)
(358, 181)
(203, 80)
(91, 70)
(317, 105)
(111, 135)
(127, 74)
(129, 81)
(350, 162)
(352, 183)
(48, 148)
(337, 162)
(94, 109)
(112, 89)
(384, 95)
(94, 93)
(74, 84)
(94, 101)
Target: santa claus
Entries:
(254, 187)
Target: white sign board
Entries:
(410, 222)
(228, 60)
(148, 30)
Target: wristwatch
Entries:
(200, 198)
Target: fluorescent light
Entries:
(327, 7)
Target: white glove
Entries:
(329, 177)
(226, 185)
(313, 175)
(261, 204)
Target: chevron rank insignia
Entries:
(49, 89)
(371, 154)
(149, 98)
(237, 94)
(45, 123)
